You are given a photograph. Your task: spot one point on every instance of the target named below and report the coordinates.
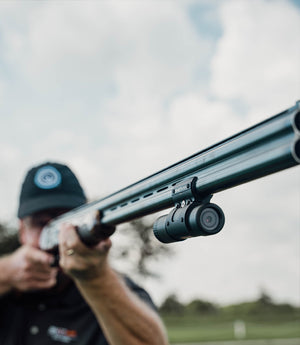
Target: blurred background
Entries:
(121, 89)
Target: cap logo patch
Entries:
(47, 177)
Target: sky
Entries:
(120, 89)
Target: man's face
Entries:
(31, 226)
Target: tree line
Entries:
(264, 306)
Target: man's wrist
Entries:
(94, 271)
(100, 280)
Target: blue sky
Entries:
(120, 89)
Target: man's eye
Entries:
(39, 223)
(42, 224)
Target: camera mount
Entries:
(192, 216)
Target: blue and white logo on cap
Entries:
(47, 177)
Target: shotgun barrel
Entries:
(265, 148)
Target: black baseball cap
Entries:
(48, 186)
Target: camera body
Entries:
(193, 215)
(190, 219)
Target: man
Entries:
(84, 301)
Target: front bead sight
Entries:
(191, 220)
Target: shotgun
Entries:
(263, 149)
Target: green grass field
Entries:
(193, 329)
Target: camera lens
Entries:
(209, 219)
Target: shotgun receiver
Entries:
(268, 147)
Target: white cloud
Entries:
(8, 154)
(2, 88)
(197, 121)
(257, 58)
(137, 48)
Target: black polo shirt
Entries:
(55, 319)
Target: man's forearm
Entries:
(125, 319)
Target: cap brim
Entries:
(42, 203)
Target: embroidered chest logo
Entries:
(61, 334)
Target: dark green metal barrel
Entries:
(268, 147)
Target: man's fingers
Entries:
(39, 284)
(68, 237)
(43, 275)
(33, 255)
(104, 245)
(76, 259)
(39, 257)
(32, 269)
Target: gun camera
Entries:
(190, 220)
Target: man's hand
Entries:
(79, 261)
(124, 318)
(27, 269)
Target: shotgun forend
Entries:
(268, 147)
